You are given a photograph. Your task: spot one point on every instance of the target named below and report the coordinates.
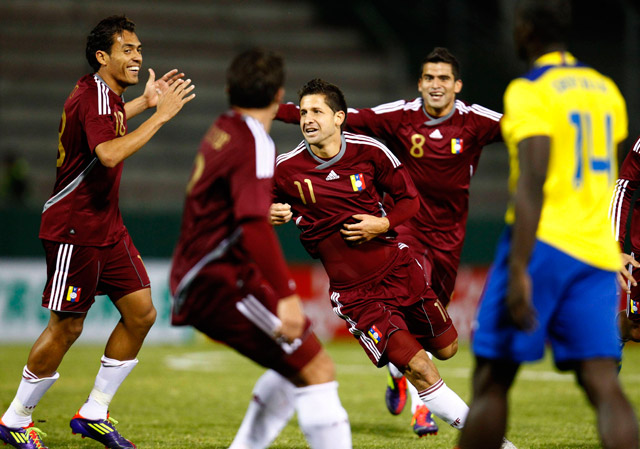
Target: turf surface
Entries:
(194, 396)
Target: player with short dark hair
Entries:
(88, 249)
(332, 185)
(439, 140)
(228, 277)
(554, 275)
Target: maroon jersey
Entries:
(325, 194)
(440, 154)
(231, 184)
(627, 183)
(83, 209)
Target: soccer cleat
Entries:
(101, 430)
(396, 394)
(423, 423)
(22, 437)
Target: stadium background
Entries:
(371, 49)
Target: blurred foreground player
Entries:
(439, 140)
(228, 277)
(88, 249)
(554, 276)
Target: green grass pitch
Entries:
(195, 396)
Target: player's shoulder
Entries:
(288, 157)
(476, 111)
(370, 145)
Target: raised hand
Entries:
(176, 95)
(153, 87)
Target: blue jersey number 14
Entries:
(584, 147)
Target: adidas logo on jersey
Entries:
(331, 176)
(436, 134)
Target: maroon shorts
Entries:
(441, 267)
(75, 274)
(399, 298)
(211, 307)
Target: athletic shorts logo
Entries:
(457, 146)
(73, 294)
(357, 181)
(374, 333)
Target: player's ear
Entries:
(279, 96)
(457, 86)
(339, 118)
(102, 57)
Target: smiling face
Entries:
(120, 67)
(319, 124)
(438, 87)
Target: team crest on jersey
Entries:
(357, 182)
(73, 294)
(457, 146)
(375, 334)
(634, 307)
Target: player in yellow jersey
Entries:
(554, 276)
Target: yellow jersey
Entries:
(584, 115)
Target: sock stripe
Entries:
(432, 389)
(28, 375)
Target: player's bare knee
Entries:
(421, 371)
(319, 370)
(66, 328)
(448, 352)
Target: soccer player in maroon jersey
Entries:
(229, 278)
(334, 182)
(622, 205)
(88, 249)
(439, 140)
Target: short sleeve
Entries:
(524, 112)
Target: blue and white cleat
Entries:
(101, 430)
(22, 437)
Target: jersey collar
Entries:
(327, 163)
(437, 120)
(556, 58)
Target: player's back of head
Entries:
(102, 36)
(254, 78)
(550, 20)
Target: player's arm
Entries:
(170, 102)
(394, 180)
(533, 159)
(261, 243)
(149, 97)
(487, 125)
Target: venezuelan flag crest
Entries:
(357, 182)
(457, 146)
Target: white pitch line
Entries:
(218, 361)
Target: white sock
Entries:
(29, 393)
(322, 418)
(416, 400)
(445, 404)
(270, 409)
(395, 372)
(110, 376)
